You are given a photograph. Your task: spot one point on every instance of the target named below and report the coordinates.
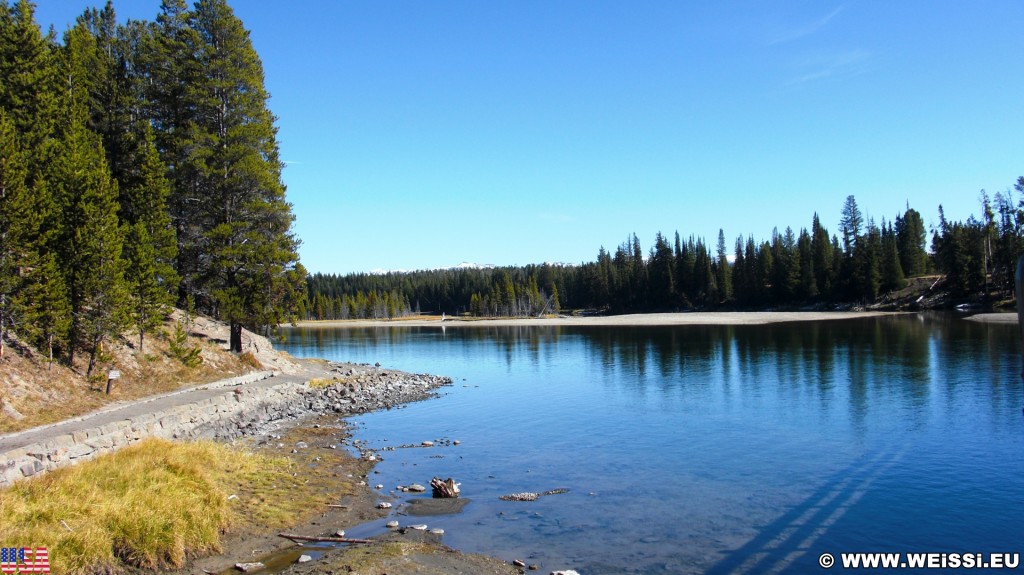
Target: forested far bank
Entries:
(863, 263)
(139, 168)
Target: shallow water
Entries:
(708, 449)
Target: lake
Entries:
(707, 449)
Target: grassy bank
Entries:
(151, 505)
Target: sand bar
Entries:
(638, 319)
(999, 317)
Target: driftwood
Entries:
(446, 489)
(323, 539)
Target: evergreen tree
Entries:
(247, 222)
(29, 88)
(865, 265)
(17, 223)
(168, 58)
(805, 256)
(850, 224)
(910, 243)
(892, 277)
(151, 246)
(659, 269)
(724, 277)
(822, 258)
(785, 277)
(47, 307)
(91, 245)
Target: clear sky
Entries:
(424, 134)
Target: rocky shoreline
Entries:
(222, 411)
(342, 388)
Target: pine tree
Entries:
(850, 224)
(724, 277)
(659, 270)
(29, 87)
(151, 246)
(910, 242)
(17, 223)
(805, 255)
(167, 57)
(246, 225)
(822, 258)
(47, 307)
(892, 277)
(92, 244)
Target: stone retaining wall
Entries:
(237, 411)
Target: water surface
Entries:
(708, 449)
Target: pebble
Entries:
(301, 445)
(417, 488)
(456, 442)
(419, 527)
(246, 567)
(565, 572)
(339, 533)
(379, 486)
(304, 559)
(437, 531)
(383, 505)
(519, 563)
(392, 525)
(427, 444)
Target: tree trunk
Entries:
(236, 337)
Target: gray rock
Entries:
(249, 567)
(417, 488)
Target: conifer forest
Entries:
(139, 170)
(860, 264)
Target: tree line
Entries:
(139, 168)
(861, 263)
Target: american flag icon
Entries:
(24, 560)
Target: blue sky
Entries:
(424, 134)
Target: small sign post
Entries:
(111, 376)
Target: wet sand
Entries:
(1001, 317)
(638, 319)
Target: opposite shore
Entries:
(636, 319)
(643, 319)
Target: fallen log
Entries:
(323, 539)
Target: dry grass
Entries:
(43, 394)
(149, 506)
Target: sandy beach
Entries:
(639, 319)
(1000, 317)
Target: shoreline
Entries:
(996, 317)
(637, 319)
